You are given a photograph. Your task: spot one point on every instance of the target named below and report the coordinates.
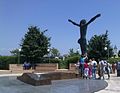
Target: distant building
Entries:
(115, 51)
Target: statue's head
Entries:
(82, 22)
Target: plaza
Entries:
(59, 47)
(9, 84)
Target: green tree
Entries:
(73, 53)
(55, 52)
(97, 45)
(34, 45)
(15, 52)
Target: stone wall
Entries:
(72, 66)
(46, 67)
(39, 68)
(13, 67)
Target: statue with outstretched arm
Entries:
(83, 30)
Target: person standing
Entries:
(86, 70)
(107, 68)
(77, 68)
(113, 67)
(101, 69)
(82, 62)
(90, 68)
(94, 68)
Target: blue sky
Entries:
(17, 15)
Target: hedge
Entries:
(6, 60)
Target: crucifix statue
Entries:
(83, 30)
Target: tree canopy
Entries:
(55, 52)
(34, 45)
(73, 53)
(15, 52)
(97, 45)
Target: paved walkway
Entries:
(113, 85)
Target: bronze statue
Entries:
(83, 30)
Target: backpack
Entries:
(94, 65)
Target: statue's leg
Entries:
(83, 46)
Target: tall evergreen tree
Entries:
(34, 45)
(97, 45)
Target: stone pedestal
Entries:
(34, 79)
(45, 78)
(59, 75)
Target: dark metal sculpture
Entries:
(83, 30)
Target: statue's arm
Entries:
(73, 22)
(92, 19)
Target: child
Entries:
(90, 69)
(86, 70)
(77, 67)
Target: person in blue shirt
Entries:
(82, 62)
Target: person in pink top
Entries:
(86, 70)
(90, 68)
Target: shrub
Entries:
(73, 59)
(65, 64)
(111, 60)
(6, 60)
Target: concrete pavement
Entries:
(113, 85)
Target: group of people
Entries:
(26, 65)
(104, 68)
(88, 68)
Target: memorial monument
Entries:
(83, 30)
(45, 78)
